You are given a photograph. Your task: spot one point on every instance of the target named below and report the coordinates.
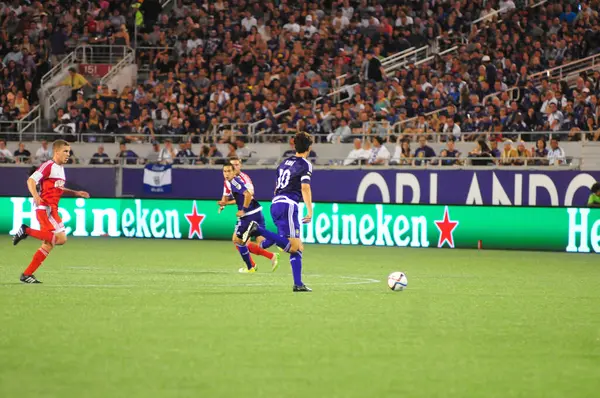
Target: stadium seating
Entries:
(213, 71)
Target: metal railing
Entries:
(128, 59)
(88, 54)
(490, 16)
(567, 72)
(436, 137)
(514, 94)
(536, 4)
(29, 126)
(256, 161)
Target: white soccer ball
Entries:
(397, 281)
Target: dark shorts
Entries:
(242, 224)
(285, 217)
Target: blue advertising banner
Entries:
(453, 187)
(478, 187)
(98, 181)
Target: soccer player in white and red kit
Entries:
(50, 177)
(226, 199)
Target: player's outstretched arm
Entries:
(81, 194)
(307, 198)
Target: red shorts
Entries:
(49, 219)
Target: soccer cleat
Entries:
(20, 235)
(249, 232)
(245, 270)
(29, 279)
(275, 262)
(302, 288)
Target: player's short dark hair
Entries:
(56, 145)
(302, 142)
(228, 164)
(595, 188)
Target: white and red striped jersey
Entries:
(247, 181)
(51, 179)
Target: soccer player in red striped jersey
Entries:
(254, 248)
(50, 177)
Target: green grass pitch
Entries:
(144, 318)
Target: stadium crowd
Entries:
(222, 70)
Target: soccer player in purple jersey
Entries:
(293, 185)
(249, 210)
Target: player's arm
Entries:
(226, 200)
(81, 194)
(247, 200)
(32, 187)
(307, 198)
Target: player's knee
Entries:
(47, 246)
(60, 239)
(295, 245)
(237, 240)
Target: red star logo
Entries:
(195, 220)
(446, 228)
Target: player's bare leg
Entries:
(40, 255)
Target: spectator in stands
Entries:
(523, 155)
(451, 153)
(556, 155)
(5, 155)
(540, 153)
(424, 153)
(75, 82)
(167, 154)
(509, 154)
(22, 155)
(153, 155)
(242, 151)
(341, 133)
(357, 155)
(402, 153)
(594, 198)
(379, 155)
(480, 156)
(215, 155)
(127, 156)
(100, 157)
(44, 153)
(185, 154)
(451, 128)
(494, 151)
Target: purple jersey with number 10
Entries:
(291, 174)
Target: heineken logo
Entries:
(379, 229)
(574, 230)
(583, 234)
(140, 221)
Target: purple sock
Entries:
(245, 255)
(265, 244)
(296, 263)
(279, 240)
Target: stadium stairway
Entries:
(111, 65)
